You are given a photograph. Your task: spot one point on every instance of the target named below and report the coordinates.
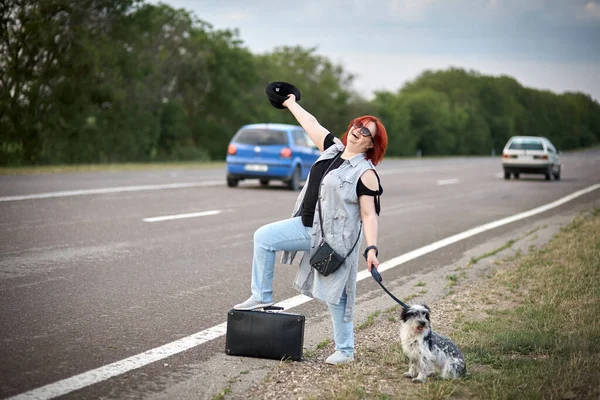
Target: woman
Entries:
(349, 205)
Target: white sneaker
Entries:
(339, 358)
(252, 304)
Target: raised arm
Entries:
(310, 124)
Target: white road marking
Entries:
(409, 170)
(181, 216)
(120, 189)
(447, 182)
(120, 367)
(475, 231)
(117, 368)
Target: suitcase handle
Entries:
(273, 308)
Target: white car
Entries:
(530, 155)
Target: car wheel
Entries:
(549, 174)
(294, 182)
(506, 175)
(232, 182)
(264, 182)
(557, 174)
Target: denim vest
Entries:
(342, 225)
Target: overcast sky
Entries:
(545, 44)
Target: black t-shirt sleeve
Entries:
(328, 141)
(362, 190)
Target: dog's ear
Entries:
(404, 315)
(428, 313)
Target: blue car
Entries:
(270, 152)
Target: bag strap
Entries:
(375, 274)
(321, 209)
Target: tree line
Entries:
(100, 81)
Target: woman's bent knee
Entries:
(263, 234)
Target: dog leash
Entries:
(377, 277)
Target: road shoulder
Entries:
(452, 291)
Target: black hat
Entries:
(278, 93)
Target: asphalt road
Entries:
(86, 281)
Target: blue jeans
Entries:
(292, 235)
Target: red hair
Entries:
(380, 139)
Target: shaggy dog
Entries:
(426, 350)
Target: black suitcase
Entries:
(265, 334)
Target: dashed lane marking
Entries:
(443, 182)
(182, 216)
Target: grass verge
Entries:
(548, 346)
(530, 331)
(58, 169)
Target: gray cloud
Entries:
(517, 34)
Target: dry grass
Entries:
(548, 346)
(58, 169)
(529, 331)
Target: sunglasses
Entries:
(363, 130)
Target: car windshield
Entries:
(261, 137)
(526, 145)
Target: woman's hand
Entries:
(372, 261)
(291, 99)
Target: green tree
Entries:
(430, 117)
(394, 113)
(119, 80)
(325, 87)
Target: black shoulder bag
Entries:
(325, 260)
